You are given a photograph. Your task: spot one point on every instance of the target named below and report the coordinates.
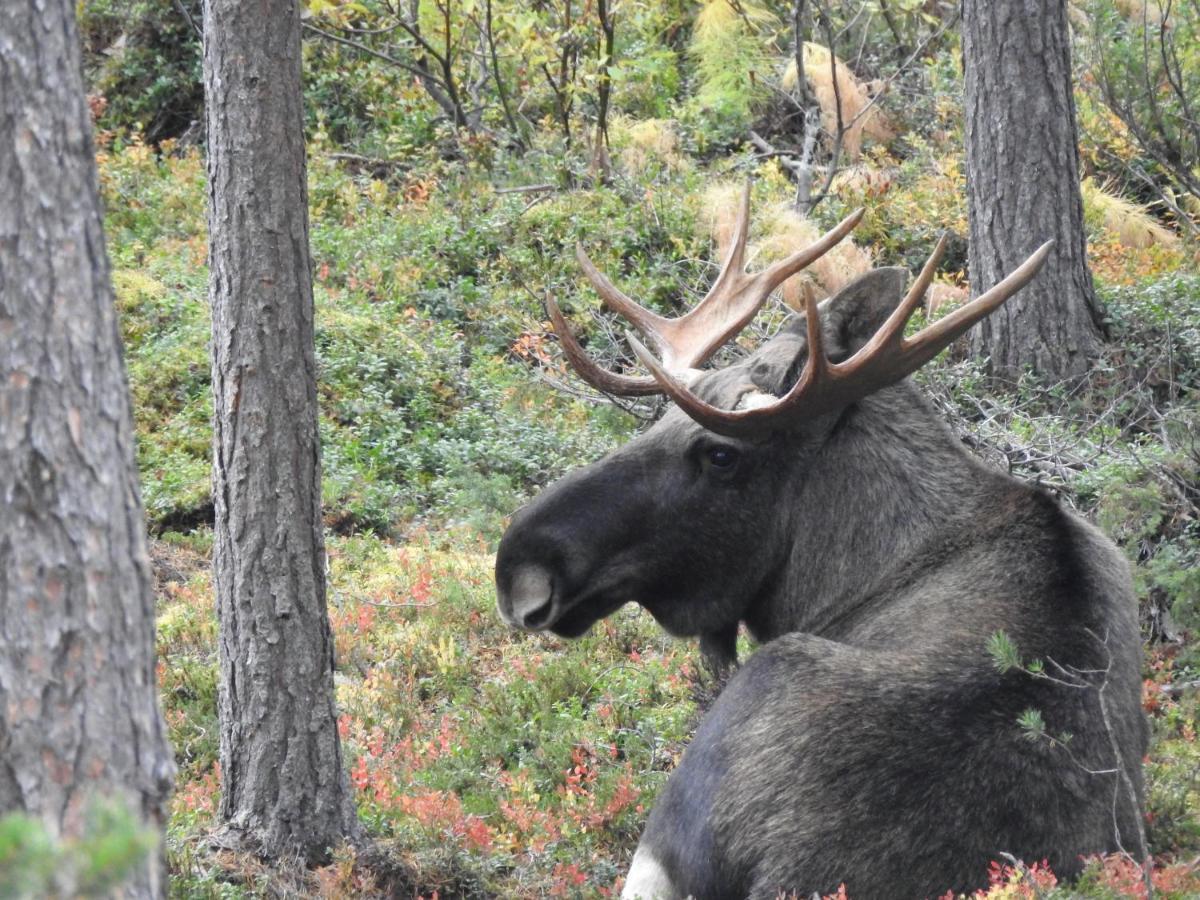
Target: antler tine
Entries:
(599, 378)
(707, 415)
(688, 341)
(648, 323)
(733, 267)
(929, 341)
(781, 271)
(748, 422)
(893, 328)
(736, 297)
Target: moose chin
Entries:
(811, 492)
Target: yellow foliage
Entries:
(864, 180)
(1101, 131)
(134, 287)
(1129, 222)
(1148, 11)
(820, 67)
(717, 17)
(783, 231)
(445, 653)
(1115, 263)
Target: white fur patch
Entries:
(647, 879)
(756, 400)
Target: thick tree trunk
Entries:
(1023, 186)
(79, 714)
(285, 789)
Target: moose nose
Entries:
(529, 601)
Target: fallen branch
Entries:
(387, 604)
(526, 189)
(371, 161)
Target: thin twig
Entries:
(363, 48)
(188, 16)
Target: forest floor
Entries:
(489, 763)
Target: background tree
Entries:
(1145, 69)
(78, 713)
(284, 786)
(1023, 186)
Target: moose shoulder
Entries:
(811, 492)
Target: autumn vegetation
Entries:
(487, 763)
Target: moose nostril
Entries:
(536, 618)
(531, 598)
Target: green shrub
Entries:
(34, 864)
(144, 58)
(1156, 324)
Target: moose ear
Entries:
(856, 312)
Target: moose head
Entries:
(686, 520)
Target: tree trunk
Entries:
(1023, 187)
(79, 714)
(285, 790)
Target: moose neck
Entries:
(890, 481)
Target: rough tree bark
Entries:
(285, 790)
(79, 714)
(1023, 186)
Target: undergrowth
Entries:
(487, 763)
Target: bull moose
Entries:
(812, 493)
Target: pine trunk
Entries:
(1023, 187)
(284, 787)
(79, 715)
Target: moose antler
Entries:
(689, 340)
(885, 359)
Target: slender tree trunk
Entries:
(285, 788)
(1023, 186)
(79, 714)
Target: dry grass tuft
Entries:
(647, 143)
(1131, 223)
(720, 207)
(782, 231)
(789, 231)
(1142, 11)
(819, 69)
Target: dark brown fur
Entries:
(870, 740)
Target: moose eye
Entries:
(723, 458)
